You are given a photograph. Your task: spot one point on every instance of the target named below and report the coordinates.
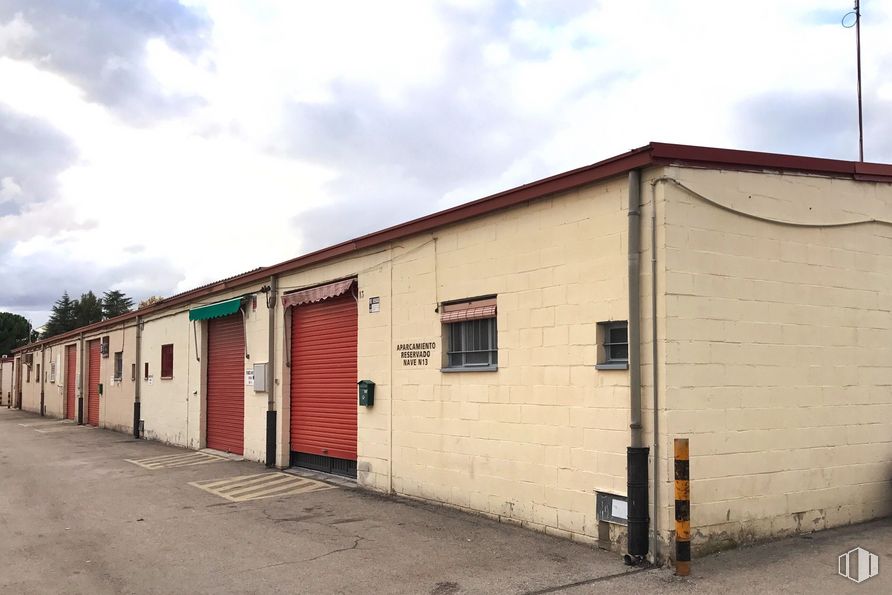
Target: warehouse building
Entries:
(534, 353)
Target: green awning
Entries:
(215, 310)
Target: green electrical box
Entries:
(366, 393)
(100, 388)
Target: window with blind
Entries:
(470, 335)
(119, 366)
(167, 361)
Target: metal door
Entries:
(71, 381)
(93, 383)
(226, 384)
(323, 385)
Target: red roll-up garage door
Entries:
(226, 384)
(323, 385)
(93, 384)
(70, 381)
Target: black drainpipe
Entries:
(138, 378)
(80, 383)
(42, 376)
(637, 453)
(271, 416)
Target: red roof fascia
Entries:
(733, 159)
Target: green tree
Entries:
(115, 303)
(63, 317)
(88, 309)
(14, 330)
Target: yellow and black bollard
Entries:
(682, 509)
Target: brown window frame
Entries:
(167, 361)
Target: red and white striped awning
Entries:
(317, 294)
(474, 310)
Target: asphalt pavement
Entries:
(93, 511)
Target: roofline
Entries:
(737, 160)
(653, 154)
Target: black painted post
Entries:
(136, 419)
(270, 438)
(639, 515)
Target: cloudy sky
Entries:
(154, 145)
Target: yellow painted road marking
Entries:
(176, 460)
(261, 485)
(63, 428)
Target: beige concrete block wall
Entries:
(6, 376)
(117, 398)
(779, 352)
(16, 379)
(257, 345)
(661, 472)
(531, 442)
(54, 387)
(372, 268)
(63, 379)
(54, 404)
(31, 386)
(170, 412)
(174, 409)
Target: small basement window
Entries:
(119, 366)
(613, 345)
(167, 361)
(471, 335)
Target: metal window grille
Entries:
(472, 344)
(119, 366)
(616, 342)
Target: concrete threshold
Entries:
(220, 453)
(331, 478)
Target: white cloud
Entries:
(14, 33)
(396, 93)
(213, 205)
(9, 189)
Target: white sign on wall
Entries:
(619, 509)
(249, 377)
